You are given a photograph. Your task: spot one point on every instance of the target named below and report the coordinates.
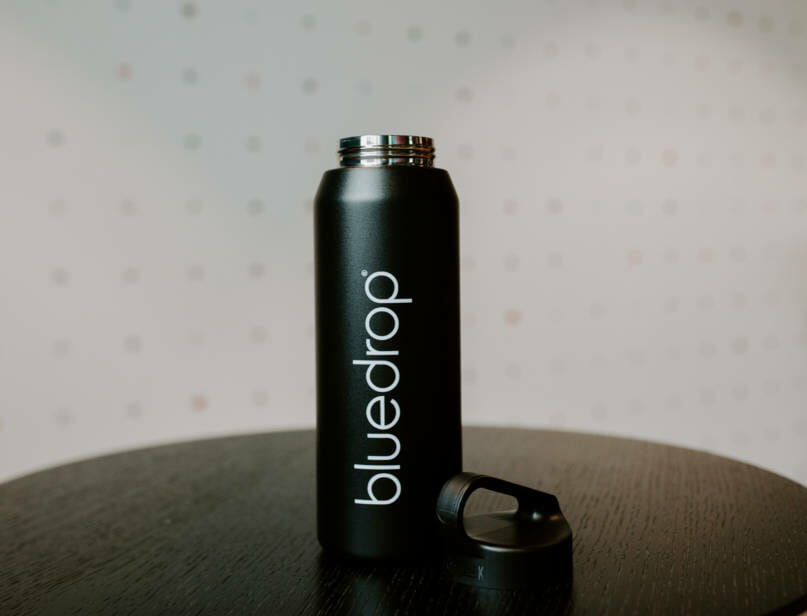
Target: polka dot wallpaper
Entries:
(634, 212)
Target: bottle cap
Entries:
(503, 549)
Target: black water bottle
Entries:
(387, 345)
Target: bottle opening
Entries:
(386, 151)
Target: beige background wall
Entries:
(634, 212)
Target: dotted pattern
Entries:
(634, 213)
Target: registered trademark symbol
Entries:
(364, 273)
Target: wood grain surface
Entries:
(226, 526)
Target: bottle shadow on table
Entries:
(355, 587)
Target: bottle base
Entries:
(343, 554)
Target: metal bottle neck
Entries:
(386, 151)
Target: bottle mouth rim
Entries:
(386, 150)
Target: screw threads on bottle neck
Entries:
(386, 151)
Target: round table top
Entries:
(228, 525)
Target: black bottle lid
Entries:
(503, 549)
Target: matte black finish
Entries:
(227, 526)
(377, 229)
(503, 549)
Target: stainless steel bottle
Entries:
(387, 346)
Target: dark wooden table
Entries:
(227, 526)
